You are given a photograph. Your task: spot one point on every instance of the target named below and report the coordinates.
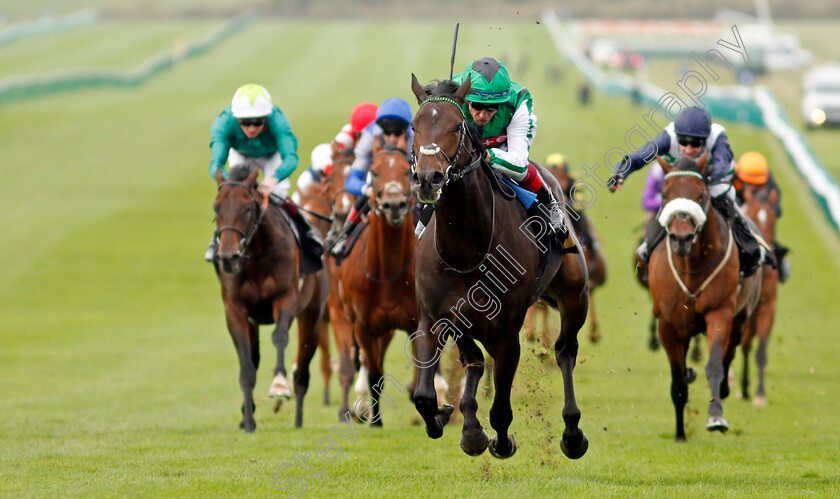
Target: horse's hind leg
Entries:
(573, 309)
(326, 360)
(473, 437)
(506, 359)
(308, 333)
(594, 329)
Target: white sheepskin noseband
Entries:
(682, 206)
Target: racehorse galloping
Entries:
(341, 202)
(376, 280)
(694, 284)
(478, 271)
(258, 269)
(758, 205)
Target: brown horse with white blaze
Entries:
(376, 280)
(695, 286)
(478, 271)
(258, 268)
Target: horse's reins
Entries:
(435, 150)
(249, 235)
(726, 254)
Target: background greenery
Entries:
(117, 377)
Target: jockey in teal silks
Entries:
(253, 132)
(502, 112)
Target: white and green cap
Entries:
(251, 101)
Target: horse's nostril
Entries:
(415, 179)
(437, 178)
(403, 205)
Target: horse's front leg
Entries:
(284, 310)
(719, 330)
(573, 310)
(676, 349)
(424, 351)
(474, 439)
(506, 360)
(373, 349)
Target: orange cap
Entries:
(752, 168)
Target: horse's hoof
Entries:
(690, 375)
(279, 387)
(495, 453)
(654, 344)
(326, 396)
(248, 428)
(476, 444)
(594, 336)
(577, 450)
(760, 401)
(717, 423)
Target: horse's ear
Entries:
(464, 89)
(335, 148)
(773, 197)
(418, 90)
(220, 176)
(252, 177)
(701, 162)
(666, 166)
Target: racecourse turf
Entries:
(117, 375)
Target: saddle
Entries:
(311, 248)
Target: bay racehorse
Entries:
(758, 205)
(694, 284)
(258, 269)
(479, 268)
(376, 280)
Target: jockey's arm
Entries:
(647, 153)
(520, 135)
(722, 157)
(355, 182)
(286, 143)
(220, 144)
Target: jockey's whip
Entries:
(313, 213)
(454, 44)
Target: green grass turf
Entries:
(118, 378)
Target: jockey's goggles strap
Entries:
(445, 99)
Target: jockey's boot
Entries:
(423, 220)
(551, 211)
(751, 252)
(354, 218)
(779, 252)
(212, 249)
(654, 233)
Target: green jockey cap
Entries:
(490, 82)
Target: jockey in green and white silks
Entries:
(502, 112)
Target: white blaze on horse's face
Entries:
(683, 206)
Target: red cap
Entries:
(362, 115)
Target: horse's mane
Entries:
(239, 173)
(447, 88)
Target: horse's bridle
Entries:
(248, 234)
(705, 206)
(435, 150)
